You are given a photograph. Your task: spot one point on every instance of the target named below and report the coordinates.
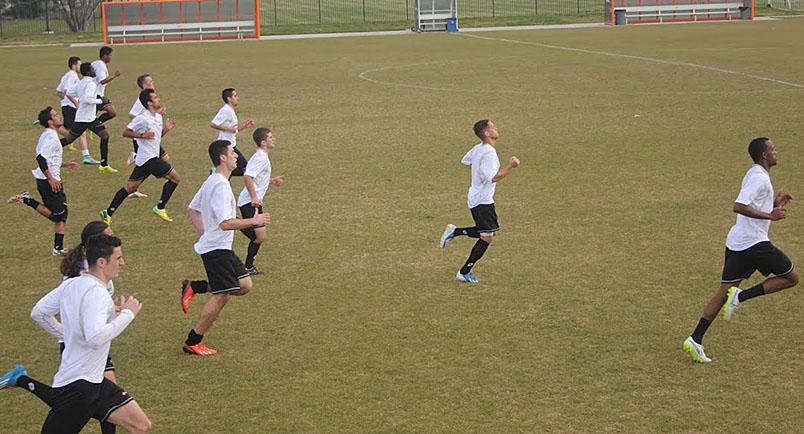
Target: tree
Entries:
(76, 13)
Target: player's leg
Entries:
(131, 417)
(255, 235)
(56, 203)
(117, 407)
(485, 218)
(86, 158)
(25, 198)
(161, 169)
(108, 373)
(241, 164)
(73, 407)
(769, 260)
(100, 130)
(138, 175)
(109, 112)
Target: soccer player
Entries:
(486, 172)
(89, 323)
(69, 103)
(148, 129)
(226, 123)
(213, 213)
(102, 78)
(748, 247)
(86, 91)
(257, 179)
(48, 178)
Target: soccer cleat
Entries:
(130, 159)
(86, 159)
(161, 213)
(254, 271)
(137, 195)
(59, 252)
(104, 215)
(106, 169)
(71, 147)
(732, 303)
(198, 349)
(695, 350)
(187, 294)
(468, 277)
(10, 379)
(449, 234)
(17, 198)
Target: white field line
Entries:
(642, 58)
(364, 76)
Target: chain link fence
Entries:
(21, 18)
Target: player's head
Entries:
(149, 96)
(762, 148)
(49, 118)
(145, 81)
(229, 96)
(87, 70)
(105, 54)
(485, 129)
(264, 138)
(103, 251)
(220, 152)
(74, 63)
(73, 263)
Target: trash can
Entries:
(619, 17)
(452, 24)
(745, 12)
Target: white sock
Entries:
(85, 152)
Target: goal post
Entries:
(179, 20)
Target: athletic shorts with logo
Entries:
(56, 201)
(79, 401)
(224, 271)
(763, 256)
(485, 217)
(68, 115)
(155, 166)
(95, 126)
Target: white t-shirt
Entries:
(483, 160)
(147, 148)
(87, 93)
(226, 117)
(259, 168)
(66, 85)
(101, 73)
(88, 324)
(49, 147)
(756, 192)
(216, 203)
(137, 108)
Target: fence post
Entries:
(578, 2)
(536, 7)
(47, 20)
(276, 19)
(364, 11)
(407, 16)
(493, 12)
(319, 12)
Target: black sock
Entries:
(105, 117)
(700, 330)
(754, 291)
(469, 232)
(104, 151)
(199, 286)
(167, 191)
(477, 252)
(58, 241)
(108, 428)
(42, 391)
(31, 202)
(119, 197)
(253, 248)
(193, 338)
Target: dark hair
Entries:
(141, 80)
(226, 94)
(44, 116)
(86, 68)
(104, 51)
(72, 264)
(757, 147)
(216, 149)
(480, 127)
(72, 61)
(145, 96)
(260, 134)
(101, 246)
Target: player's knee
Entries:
(58, 217)
(792, 278)
(487, 237)
(259, 237)
(141, 425)
(245, 285)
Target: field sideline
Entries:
(633, 145)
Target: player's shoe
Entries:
(86, 159)
(161, 213)
(449, 234)
(130, 159)
(71, 147)
(18, 198)
(732, 303)
(254, 271)
(187, 294)
(104, 215)
(106, 169)
(10, 379)
(59, 252)
(695, 350)
(137, 195)
(468, 277)
(198, 349)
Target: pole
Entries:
(47, 20)
(319, 12)
(276, 22)
(493, 12)
(364, 11)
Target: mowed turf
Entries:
(612, 239)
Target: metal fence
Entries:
(21, 18)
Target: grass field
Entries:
(612, 239)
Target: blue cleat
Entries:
(468, 277)
(10, 379)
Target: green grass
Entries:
(612, 239)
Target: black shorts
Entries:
(247, 211)
(55, 202)
(763, 256)
(155, 166)
(79, 401)
(485, 217)
(109, 363)
(78, 128)
(224, 271)
(68, 113)
(241, 160)
(102, 106)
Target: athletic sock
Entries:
(85, 152)
(42, 391)
(253, 248)
(104, 151)
(119, 197)
(199, 286)
(31, 202)
(469, 232)
(754, 291)
(477, 252)
(193, 338)
(108, 428)
(58, 241)
(167, 191)
(700, 330)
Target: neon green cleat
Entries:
(104, 215)
(732, 303)
(161, 214)
(71, 147)
(695, 350)
(106, 169)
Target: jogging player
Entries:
(226, 123)
(69, 103)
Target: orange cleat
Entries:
(187, 294)
(198, 349)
